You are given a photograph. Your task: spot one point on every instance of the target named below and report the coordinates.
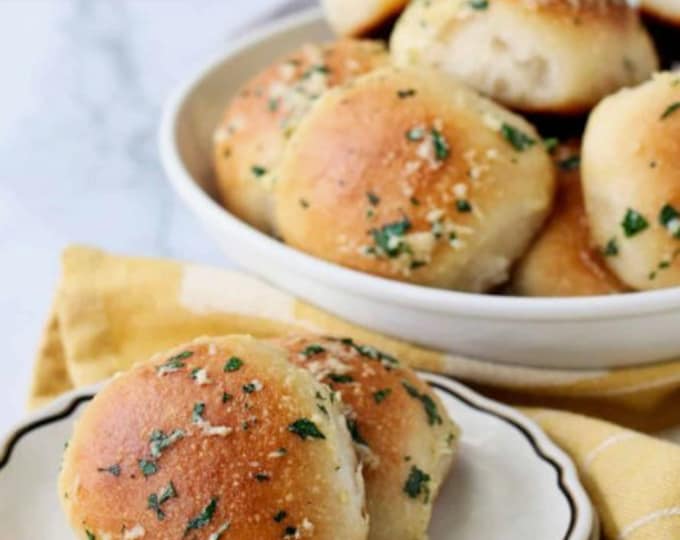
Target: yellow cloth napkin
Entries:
(112, 311)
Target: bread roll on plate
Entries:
(222, 438)
(562, 261)
(411, 175)
(400, 428)
(664, 10)
(358, 17)
(554, 56)
(260, 119)
(631, 178)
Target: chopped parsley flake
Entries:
(202, 519)
(273, 104)
(669, 217)
(233, 364)
(160, 441)
(441, 146)
(670, 110)
(312, 350)
(113, 470)
(90, 535)
(227, 397)
(197, 413)
(633, 223)
(479, 5)
(430, 406)
(148, 468)
(305, 429)
(174, 363)
(389, 238)
(373, 198)
(463, 206)
(570, 164)
(370, 352)
(353, 428)
(290, 532)
(319, 68)
(381, 395)
(156, 501)
(258, 170)
(550, 144)
(415, 134)
(403, 94)
(520, 141)
(252, 386)
(280, 516)
(416, 484)
(262, 477)
(341, 379)
(611, 249)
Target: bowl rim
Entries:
(443, 301)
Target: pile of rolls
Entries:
(433, 160)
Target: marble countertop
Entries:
(81, 93)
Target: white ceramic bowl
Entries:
(594, 332)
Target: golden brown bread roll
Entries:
(400, 428)
(260, 119)
(665, 10)
(411, 175)
(557, 56)
(562, 261)
(358, 17)
(220, 436)
(631, 180)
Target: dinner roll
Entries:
(665, 10)
(562, 261)
(556, 56)
(410, 175)
(402, 431)
(222, 438)
(631, 181)
(358, 17)
(260, 119)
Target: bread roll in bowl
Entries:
(562, 260)
(411, 175)
(358, 17)
(222, 438)
(554, 56)
(631, 179)
(664, 10)
(260, 119)
(400, 428)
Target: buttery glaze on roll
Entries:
(400, 428)
(562, 261)
(553, 56)
(358, 17)
(222, 438)
(411, 175)
(631, 179)
(260, 119)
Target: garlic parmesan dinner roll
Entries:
(400, 428)
(562, 261)
(220, 439)
(357, 17)
(410, 175)
(260, 119)
(557, 56)
(665, 10)
(631, 179)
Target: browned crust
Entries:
(379, 21)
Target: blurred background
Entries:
(82, 86)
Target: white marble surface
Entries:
(82, 85)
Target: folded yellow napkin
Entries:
(112, 311)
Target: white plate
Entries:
(596, 332)
(510, 482)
